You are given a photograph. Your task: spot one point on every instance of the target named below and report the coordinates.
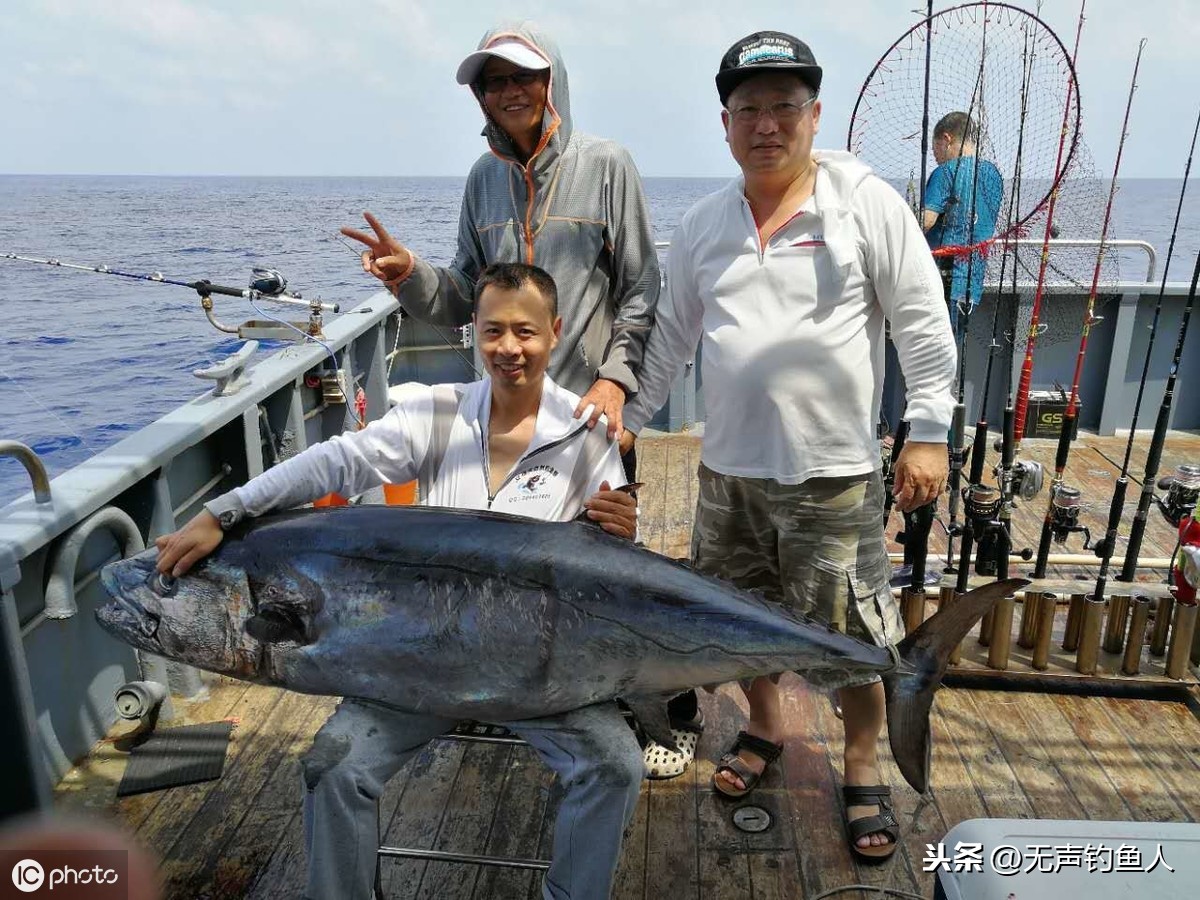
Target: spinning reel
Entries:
(1065, 506)
(1183, 491)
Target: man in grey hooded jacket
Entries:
(547, 195)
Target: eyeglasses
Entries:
(494, 84)
(783, 113)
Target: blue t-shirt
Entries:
(949, 195)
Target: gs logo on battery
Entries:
(1051, 418)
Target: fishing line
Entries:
(67, 428)
(436, 330)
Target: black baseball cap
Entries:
(766, 51)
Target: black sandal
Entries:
(730, 762)
(884, 822)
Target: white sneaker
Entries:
(663, 763)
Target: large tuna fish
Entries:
(483, 616)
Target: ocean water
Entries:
(86, 359)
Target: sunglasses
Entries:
(494, 84)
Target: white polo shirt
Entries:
(793, 331)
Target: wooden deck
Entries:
(996, 754)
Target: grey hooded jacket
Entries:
(576, 210)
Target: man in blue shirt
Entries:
(961, 206)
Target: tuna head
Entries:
(219, 616)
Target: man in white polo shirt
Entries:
(787, 275)
(508, 443)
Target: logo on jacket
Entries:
(534, 484)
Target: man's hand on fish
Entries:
(605, 398)
(385, 257)
(614, 511)
(182, 549)
(921, 473)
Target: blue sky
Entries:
(313, 87)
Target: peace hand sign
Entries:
(386, 258)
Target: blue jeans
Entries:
(362, 745)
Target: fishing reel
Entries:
(267, 282)
(981, 503)
(1028, 478)
(1065, 505)
(1183, 492)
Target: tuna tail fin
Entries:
(924, 655)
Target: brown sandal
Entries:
(885, 822)
(731, 762)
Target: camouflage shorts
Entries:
(816, 548)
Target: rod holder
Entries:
(1182, 629)
(946, 596)
(1001, 644)
(912, 608)
(1074, 622)
(1162, 625)
(1091, 622)
(1117, 623)
(138, 699)
(1047, 606)
(985, 626)
(1030, 618)
(1136, 638)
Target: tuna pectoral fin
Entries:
(924, 655)
(651, 714)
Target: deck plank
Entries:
(1137, 782)
(630, 880)
(468, 818)
(173, 814)
(195, 853)
(1152, 747)
(232, 870)
(520, 811)
(896, 873)
(672, 859)
(813, 787)
(988, 769)
(428, 789)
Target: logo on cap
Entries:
(772, 50)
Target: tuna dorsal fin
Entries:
(651, 712)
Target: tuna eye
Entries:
(163, 585)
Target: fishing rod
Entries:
(983, 504)
(925, 111)
(1022, 402)
(1183, 490)
(1062, 510)
(265, 284)
(1106, 547)
(890, 475)
(958, 422)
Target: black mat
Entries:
(175, 756)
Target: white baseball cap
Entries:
(515, 52)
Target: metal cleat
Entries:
(228, 374)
